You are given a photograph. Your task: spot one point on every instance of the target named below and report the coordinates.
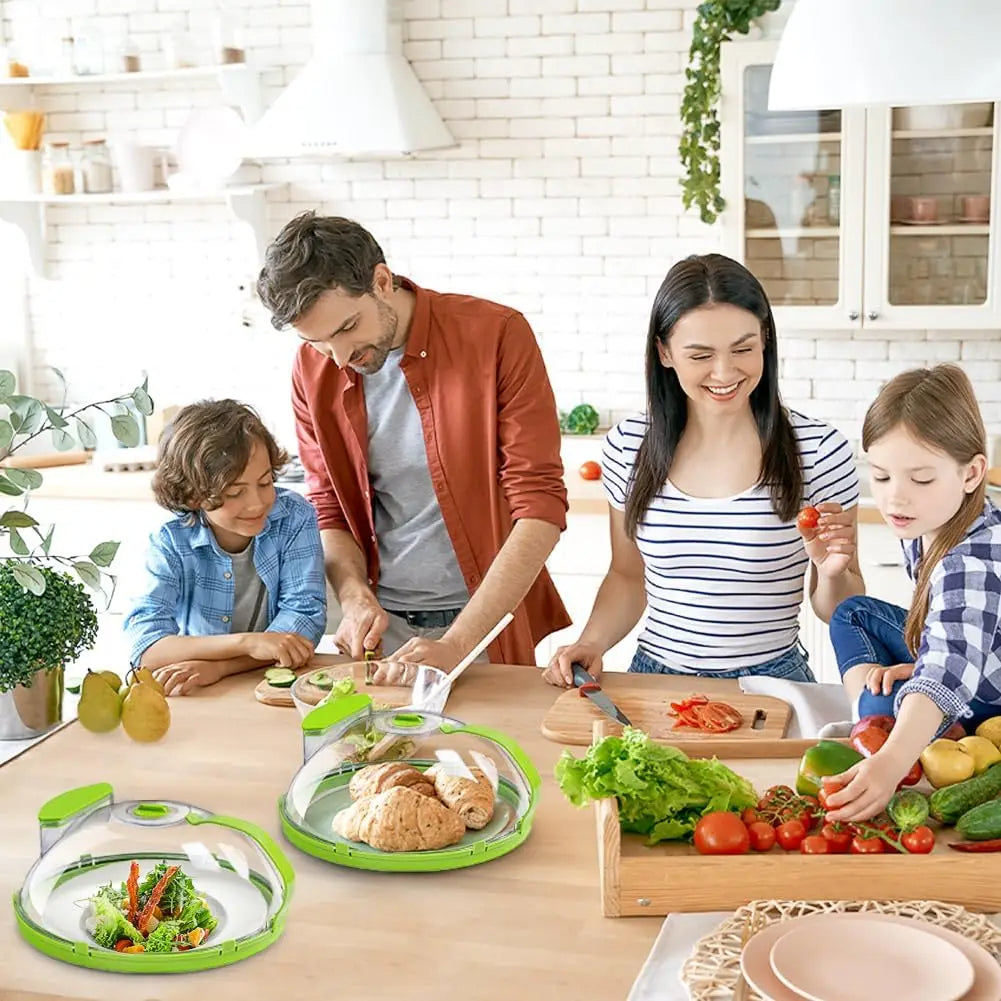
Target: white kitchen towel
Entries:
(813, 705)
(660, 978)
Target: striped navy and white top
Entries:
(724, 576)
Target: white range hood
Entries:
(357, 96)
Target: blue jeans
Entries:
(869, 631)
(791, 665)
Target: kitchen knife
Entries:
(586, 685)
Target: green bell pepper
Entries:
(827, 757)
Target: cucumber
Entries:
(949, 803)
(279, 677)
(982, 823)
(322, 680)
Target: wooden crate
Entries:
(641, 880)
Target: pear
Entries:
(111, 678)
(100, 706)
(145, 675)
(145, 713)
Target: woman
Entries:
(704, 493)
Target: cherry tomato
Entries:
(773, 791)
(815, 844)
(590, 470)
(721, 833)
(790, 834)
(840, 838)
(808, 519)
(826, 790)
(866, 846)
(920, 841)
(914, 776)
(750, 816)
(762, 835)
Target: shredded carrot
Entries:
(154, 898)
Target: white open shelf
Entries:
(957, 133)
(771, 233)
(247, 202)
(947, 229)
(240, 84)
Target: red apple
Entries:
(882, 722)
(955, 732)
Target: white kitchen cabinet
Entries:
(824, 206)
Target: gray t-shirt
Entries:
(418, 566)
(250, 597)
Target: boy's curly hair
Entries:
(204, 449)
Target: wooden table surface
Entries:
(527, 925)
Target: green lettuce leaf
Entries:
(161, 938)
(661, 792)
(107, 923)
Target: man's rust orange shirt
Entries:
(490, 432)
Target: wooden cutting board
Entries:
(270, 695)
(646, 698)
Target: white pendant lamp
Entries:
(844, 53)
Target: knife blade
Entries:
(586, 685)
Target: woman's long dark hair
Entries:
(698, 281)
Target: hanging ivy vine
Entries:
(716, 21)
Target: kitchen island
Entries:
(527, 925)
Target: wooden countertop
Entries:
(527, 925)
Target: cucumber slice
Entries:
(279, 677)
(323, 681)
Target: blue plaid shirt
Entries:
(960, 654)
(189, 587)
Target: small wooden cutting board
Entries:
(270, 695)
(646, 699)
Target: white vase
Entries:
(772, 24)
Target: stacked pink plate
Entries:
(860, 956)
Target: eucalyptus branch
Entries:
(66, 417)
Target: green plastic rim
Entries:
(94, 957)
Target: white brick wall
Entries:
(562, 200)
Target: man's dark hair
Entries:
(312, 254)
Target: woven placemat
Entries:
(712, 970)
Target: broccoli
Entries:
(583, 419)
(161, 939)
(109, 924)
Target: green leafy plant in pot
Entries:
(716, 21)
(47, 619)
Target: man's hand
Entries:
(183, 678)
(283, 649)
(441, 653)
(831, 545)
(362, 625)
(880, 680)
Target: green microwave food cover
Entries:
(150, 886)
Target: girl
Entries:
(704, 492)
(942, 658)
(235, 578)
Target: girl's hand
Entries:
(880, 680)
(831, 544)
(560, 669)
(867, 787)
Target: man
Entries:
(428, 431)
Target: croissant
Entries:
(400, 820)
(472, 799)
(378, 778)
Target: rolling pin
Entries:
(46, 460)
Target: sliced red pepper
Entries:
(132, 886)
(993, 845)
(122, 944)
(154, 898)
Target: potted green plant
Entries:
(47, 619)
(716, 21)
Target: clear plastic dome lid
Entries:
(150, 886)
(383, 789)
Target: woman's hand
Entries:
(880, 680)
(831, 544)
(560, 669)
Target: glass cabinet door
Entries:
(795, 192)
(937, 209)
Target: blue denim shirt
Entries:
(189, 587)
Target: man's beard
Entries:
(379, 351)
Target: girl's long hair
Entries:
(695, 282)
(938, 407)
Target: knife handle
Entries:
(582, 677)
